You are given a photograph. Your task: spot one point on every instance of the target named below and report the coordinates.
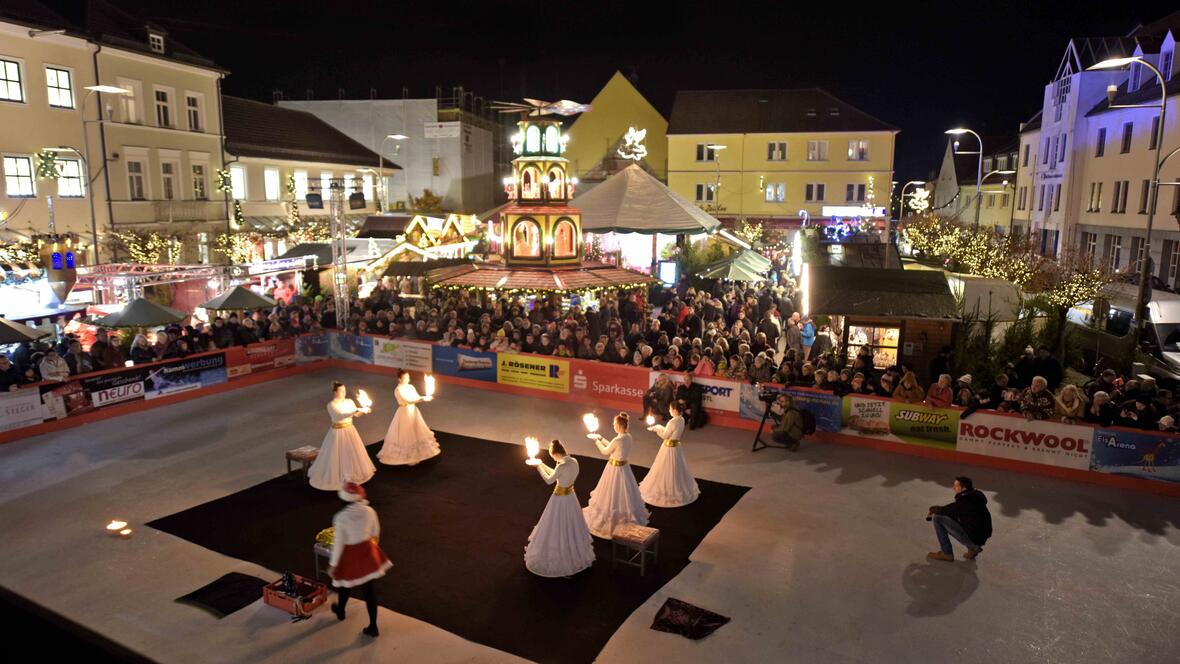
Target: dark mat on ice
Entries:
(232, 592)
(456, 527)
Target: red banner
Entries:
(261, 356)
(600, 380)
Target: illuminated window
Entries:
(270, 178)
(349, 185)
(11, 85)
(530, 183)
(532, 139)
(59, 84)
(367, 186)
(526, 239)
(556, 184)
(168, 171)
(565, 239)
(18, 177)
(300, 185)
(70, 183)
(200, 192)
(237, 182)
(552, 142)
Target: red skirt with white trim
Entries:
(359, 564)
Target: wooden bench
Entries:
(637, 543)
(304, 456)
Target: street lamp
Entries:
(900, 214)
(381, 164)
(91, 89)
(959, 131)
(715, 147)
(1111, 91)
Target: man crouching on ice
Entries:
(967, 520)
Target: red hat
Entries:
(352, 492)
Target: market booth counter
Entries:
(904, 316)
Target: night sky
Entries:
(923, 67)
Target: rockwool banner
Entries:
(535, 371)
(412, 355)
(604, 380)
(723, 395)
(1038, 441)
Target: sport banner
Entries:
(184, 375)
(592, 379)
(412, 355)
(312, 348)
(721, 395)
(355, 347)
(21, 408)
(473, 364)
(924, 425)
(261, 356)
(1137, 454)
(1038, 441)
(533, 371)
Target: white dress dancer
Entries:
(560, 544)
(669, 483)
(343, 457)
(616, 500)
(408, 440)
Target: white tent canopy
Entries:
(633, 201)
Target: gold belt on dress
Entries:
(617, 462)
(341, 425)
(671, 442)
(563, 490)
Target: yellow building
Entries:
(777, 155)
(617, 108)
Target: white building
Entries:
(445, 150)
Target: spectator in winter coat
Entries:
(967, 520)
(1101, 411)
(141, 350)
(1071, 405)
(53, 367)
(1036, 402)
(223, 336)
(807, 332)
(1048, 368)
(9, 376)
(909, 390)
(940, 394)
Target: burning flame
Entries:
(429, 385)
(363, 399)
(651, 420)
(591, 422)
(116, 525)
(533, 446)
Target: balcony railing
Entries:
(168, 211)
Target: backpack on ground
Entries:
(808, 422)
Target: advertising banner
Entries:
(60, 400)
(473, 364)
(21, 408)
(722, 395)
(1137, 454)
(1038, 441)
(355, 347)
(115, 387)
(311, 348)
(412, 355)
(826, 408)
(924, 425)
(604, 380)
(184, 375)
(865, 416)
(267, 355)
(534, 371)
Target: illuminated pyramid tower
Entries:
(539, 227)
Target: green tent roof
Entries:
(868, 291)
(239, 297)
(141, 313)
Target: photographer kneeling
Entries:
(788, 423)
(967, 520)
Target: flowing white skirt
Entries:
(409, 440)
(615, 501)
(342, 458)
(669, 483)
(560, 544)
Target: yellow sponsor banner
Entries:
(538, 373)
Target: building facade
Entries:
(778, 156)
(597, 136)
(954, 187)
(440, 146)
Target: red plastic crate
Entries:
(311, 595)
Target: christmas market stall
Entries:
(904, 316)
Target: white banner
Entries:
(868, 416)
(1037, 441)
(719, 394)
(412, 355)
(21, 408)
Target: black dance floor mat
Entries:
(455, 528)
(228, 594)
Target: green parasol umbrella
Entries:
(141, 313)
(12, 332)
(237, 298)
(743, 266)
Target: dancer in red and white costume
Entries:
(357, 561)
(616, 500)
(408, 440)
(669, 482)
(342, 457)
(560, 544)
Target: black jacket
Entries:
(970, 511)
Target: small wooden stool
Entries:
(637, 543)
(324, 552)
(305, 456)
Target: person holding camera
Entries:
(967, 519)
(788, 423)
